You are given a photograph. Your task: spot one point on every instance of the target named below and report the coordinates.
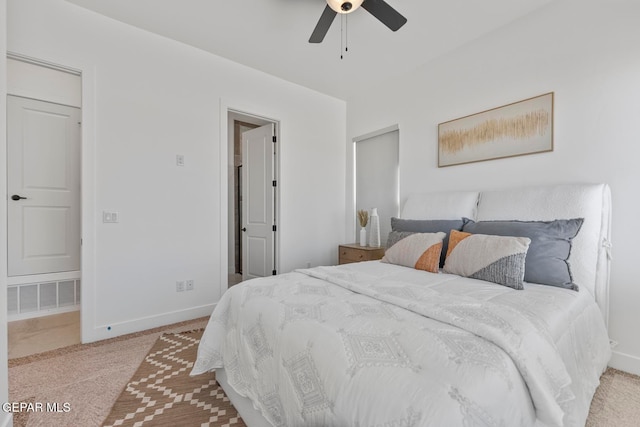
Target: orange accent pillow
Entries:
(419, 250)
(456, 237)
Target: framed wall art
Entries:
(523, 127)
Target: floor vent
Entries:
(38, 299)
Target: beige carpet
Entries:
(617, 401)
(91, 377)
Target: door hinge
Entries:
(273, 272)
(274, 139)
(273, 228)
(274, 183)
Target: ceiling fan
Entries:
(378, 8)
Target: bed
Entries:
(499, 320)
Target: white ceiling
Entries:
(272, 35)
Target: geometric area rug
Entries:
(161, 392)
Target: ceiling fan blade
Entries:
(385, 13)
(323, 25)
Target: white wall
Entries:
(146, 99)
(5, 418)
(585, 52)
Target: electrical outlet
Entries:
(189, 284)
(179, 160)
(180, 286)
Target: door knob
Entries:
(244, 228)
(16, 197)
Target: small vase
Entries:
(374, 229)
(363, 236)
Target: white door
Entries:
(43, 186)
(258, 192)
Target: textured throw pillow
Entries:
(497, 259)
(404, 227)
(547, 258)
(396, 236)
(418, 250)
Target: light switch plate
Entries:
(110, 217)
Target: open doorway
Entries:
(251, 182)
(44, 206)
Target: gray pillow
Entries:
(546, 262)
(401, 228)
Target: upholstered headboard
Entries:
(589, 256)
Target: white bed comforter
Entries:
(375, 344)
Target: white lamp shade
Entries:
(337, 5)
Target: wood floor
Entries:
(32, 336)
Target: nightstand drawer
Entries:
(357, 253)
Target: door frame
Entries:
(86, 71)
(260, 113)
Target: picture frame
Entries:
(516, 129)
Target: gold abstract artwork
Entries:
(515, 129)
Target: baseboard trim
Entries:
(136, 325)
(625, 362)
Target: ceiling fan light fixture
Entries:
(344, 6)
(380, 9)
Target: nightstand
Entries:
(356, 253)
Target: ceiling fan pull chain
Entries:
(341, 39)
(346, 33)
